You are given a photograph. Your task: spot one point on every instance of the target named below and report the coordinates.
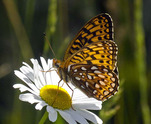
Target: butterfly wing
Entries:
(90, 60)
(101, 53)
(97, 29)
(95, 81)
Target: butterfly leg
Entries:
(57, 91)
(71, 95)
(46, 72)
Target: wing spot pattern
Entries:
(77, 78)
(102, 83)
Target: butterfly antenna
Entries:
(49, 45)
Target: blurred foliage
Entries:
(23, 23)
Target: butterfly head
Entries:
(56, 63)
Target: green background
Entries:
(22, 24)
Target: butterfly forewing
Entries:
(101, 53)
(98, 28)
(95, 81)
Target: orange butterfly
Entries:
(90, 61)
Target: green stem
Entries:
(44, 118)
(19, 29)
(140, 60)
(51, 23)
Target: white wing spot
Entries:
(75, 70)
(110, 48)
(105, 70)
(106, 81)
(116, 57)
(109, 96)
(89, 77)
(115, 92)
(113, 79)
(97, 86)
(82, 87)
(111, 89)
(102, 83)
(83, 68)
(110, 44)
(94, 68)
(80, 73)
(87, 84)
(95, 91)
(96, 71)
(106, 92)
(77, 78)
(110, 74)
(113, 85)
(82, 76)
(69, 68)
(110, 52)
(101, 76)
(101, 96)
(102, 48)
(99, 44)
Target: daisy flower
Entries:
(41, 87)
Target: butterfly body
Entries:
(90, 61)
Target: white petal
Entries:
(42, 75)
(28, 66)
(91, 104)
(26, 80)
(37, 68)
(67, 117)
(90, 116)
(80, 100)
(69, 88)
(44, 64)
(40, 105)
(50, 63)
(26, 71)
(54, 78)
(52, 113)
(48, 78)
(32, 60)
(28, 97)
(23, 88)
(48, 73)
(79, 95)
(86, 106)
(76, 116)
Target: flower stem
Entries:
(140, 61)
(44, 117)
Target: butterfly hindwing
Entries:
(95, 81)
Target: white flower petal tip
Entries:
(52, 113)
(21, 87)
(40, 105)
(36, 78)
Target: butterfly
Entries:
(90, 61)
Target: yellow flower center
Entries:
(56, 97)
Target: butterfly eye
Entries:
(56, 63)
